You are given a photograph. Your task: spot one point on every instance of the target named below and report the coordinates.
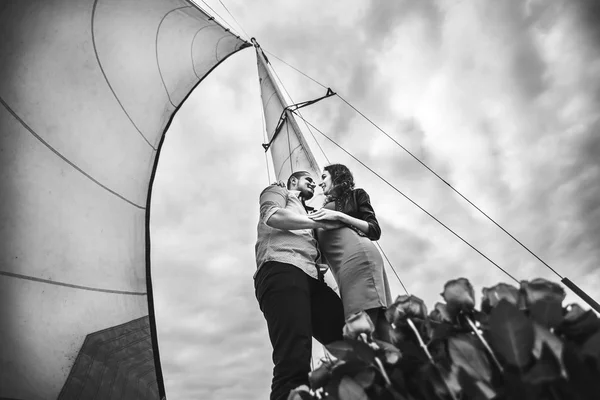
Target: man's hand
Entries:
(279, 183)
(329, 225)
(325, 214)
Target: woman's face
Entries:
(326, 184)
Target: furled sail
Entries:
(87, 90)
(289, 150)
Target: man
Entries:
(295, 301)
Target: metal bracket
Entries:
(292, 108)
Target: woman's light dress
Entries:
(357, 267)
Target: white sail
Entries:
(87, 90)
(288, 148)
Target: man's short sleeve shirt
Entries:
(297, 247)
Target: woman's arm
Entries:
(367, 223)
(289, 220)
(367, 214)
(359, 224)
(274, 214)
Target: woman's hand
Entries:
(325, 214)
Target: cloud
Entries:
(499, 98)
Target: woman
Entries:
(356, 264)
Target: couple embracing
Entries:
(295, 243)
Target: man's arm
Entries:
(288, 220)
(274, 214)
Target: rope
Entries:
(215, 13)
(235, 20)
(391, 266)
(297, 70)
(414, 203)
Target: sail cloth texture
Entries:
(87, 90)
(289, 150)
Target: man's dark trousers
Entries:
(296, 307)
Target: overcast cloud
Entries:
(499, 98)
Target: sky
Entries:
(501, 99)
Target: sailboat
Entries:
(88, 89)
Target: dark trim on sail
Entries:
(151, 314)
(162, 79)
(70, 285)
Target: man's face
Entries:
(306, 185)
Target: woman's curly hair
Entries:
(341, 179)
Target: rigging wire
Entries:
(296, 69)
(223, 21)
(450, 186)
(235, 20)
(429, 169)
(413, 202)
(391, 266)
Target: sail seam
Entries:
(109, 360)
(156, 51)
(192, 47)
(120, 364)
(217, 46)
(289, 157)
(270, 98)
(142, 375)
(38, 137)
(108, 82)
(92, 289)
